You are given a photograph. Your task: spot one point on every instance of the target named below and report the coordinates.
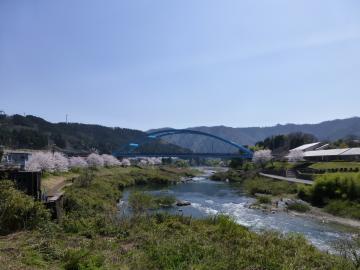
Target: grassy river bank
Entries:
(332, 197)
(92, 235)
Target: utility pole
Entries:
(66, 119)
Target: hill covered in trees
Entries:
(32, 132)
(325, 131)
(283, 143)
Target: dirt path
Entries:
(54, 184)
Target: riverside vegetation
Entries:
(93, 236)
(336, 193)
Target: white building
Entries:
(352, 154)
(309, 147)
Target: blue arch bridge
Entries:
(242, 151)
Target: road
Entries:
(288, 179)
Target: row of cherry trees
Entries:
(261, 157)
(150, 161)
(47, 161)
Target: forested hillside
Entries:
(32, 132)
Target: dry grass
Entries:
(52, 183)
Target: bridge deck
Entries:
(180, 155)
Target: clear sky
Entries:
(181, 63)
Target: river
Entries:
(210, 198)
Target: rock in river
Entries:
(183, 203)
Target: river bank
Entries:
(312, 212)
(319, 214)
(93, 236)
(210, 198)
(277, 191)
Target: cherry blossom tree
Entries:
(157, 161)
(261, 157)
(295, 156)
(110, 160)
(150, 161)
(95, 160)
(143, 162)
(61, 163)
(77, 162)
(126, 162)
(42, 161)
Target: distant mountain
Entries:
(32, 132)
(329, 130)
(18, 131)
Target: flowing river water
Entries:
(210, 198)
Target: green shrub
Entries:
(299, 207)
(85, 179)
(277, 165)
(236, 163)
(18, 210)
(219, 176)
(268, 186)
(248, 166)
(182, 163)
(166, 201)
(335, 187)
(305, 192)
(263, 199)
(234, 176)
(343, 208)
(81, 259)
(338, 193)
(76, 170)
(141, 201)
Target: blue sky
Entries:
(181, 63)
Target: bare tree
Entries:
(349, 249)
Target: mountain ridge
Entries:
(328, 130)
(32, 132)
